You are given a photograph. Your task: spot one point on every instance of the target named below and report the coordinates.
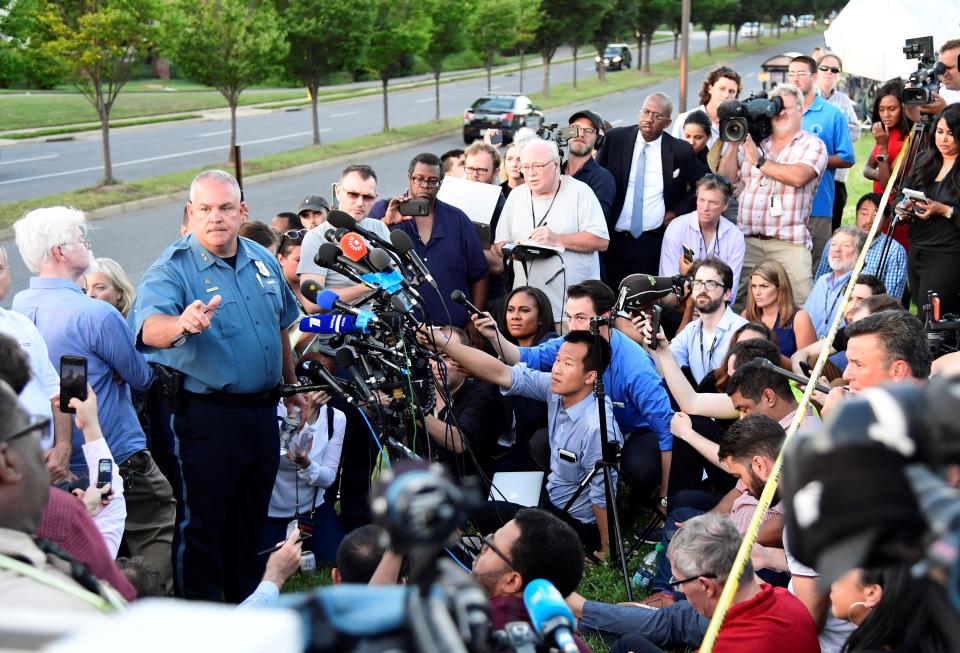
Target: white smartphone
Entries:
(914, 195)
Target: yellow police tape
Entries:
(766, 497)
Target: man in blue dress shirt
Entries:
(214, 308)
(53, 244)
(824, 299)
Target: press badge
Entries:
(776, 206)
(264, 271)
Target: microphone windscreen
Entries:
(544, 602)
(310, 290)
(380, 260)
(341, 220)
(333, 323)
(326, 300)
(458, 297)
(353, 247)
(326, 255)
(401, 241)
(644, 289)
(345, 357)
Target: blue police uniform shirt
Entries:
(454, 257)
(241, 352)
(576, 430)
(73, 324)
(829, 124)
(631, 379)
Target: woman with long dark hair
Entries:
(890, 609)
(935, 235)
(527, 317)
(890, 127)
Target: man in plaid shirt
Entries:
(776, 183)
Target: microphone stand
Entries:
(609, 461)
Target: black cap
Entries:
(313, 203)
(592, 116)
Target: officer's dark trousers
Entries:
(225, 462)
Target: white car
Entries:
(750, 30)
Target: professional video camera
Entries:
(551, 131)
(943, 331)
(441, 609)
(868, 489)
(750, 116)
(924, 80)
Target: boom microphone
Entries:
(401, 241)
(342, 220)
(644, 289)
(550, 615)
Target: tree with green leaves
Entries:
(325, 36)
(528, 21)
(227, 44)
(100, 43)
(581, 31)
(610, 28)
(400, 28)
(648, 14)
(492, 28)
(709, 14)
(446, 37)
(556, 18)
(673, 17)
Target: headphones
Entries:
(597, 121)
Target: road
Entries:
(36, 169)
(136, 238)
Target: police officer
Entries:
(212, 310)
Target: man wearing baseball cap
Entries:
(313, 210)
(580, 164)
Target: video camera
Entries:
(551, 131)
(925, 79)
(943, 331)
(750, 116)
(867, 489)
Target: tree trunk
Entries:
(105, 137)
(386, 111)
(601, 69)
(676, 42)
(488, 64)
(232, 101)
(313, 88)
(646, 58)
(736, 38)
(640, 51)
(729, 35)
(575, 49)
(708, 43)
(546, 73)
(521, 69)
(436, 94)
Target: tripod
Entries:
(916, 142)
(609, 459)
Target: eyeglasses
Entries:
(353, 197)
(37, 423)
(675, 583)
(527, 167)
(646, 113)
(589, 131)
(470, 170)
(709, 284)
(799, 73)
(488, 544)
(830, 69)
(426, 183)
(82, 241)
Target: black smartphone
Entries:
(105, 473)
(414, 207)
(687, 254)
(73, 381)
(655, 312)
(496, 139)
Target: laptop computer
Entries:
(522, 488)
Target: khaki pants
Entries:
(151, 512)
(794, 258)
(820, 231)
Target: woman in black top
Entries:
(935, 236)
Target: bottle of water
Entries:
(308, 563)
(288, 428)
(643, 579)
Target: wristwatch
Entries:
(881, 158)
(761, 161)
(663, 502)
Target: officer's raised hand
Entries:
(198, 316)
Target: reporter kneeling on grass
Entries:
(573, 422)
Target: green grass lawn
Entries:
(857, 184)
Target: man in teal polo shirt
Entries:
(214, 307)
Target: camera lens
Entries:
(735, 130)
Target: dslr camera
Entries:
(750, 116)
(925, 79)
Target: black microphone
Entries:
(342, 220)
(329, 256)
(315, 370)
(767, 365)
(346, 358)
(380, 260)
(328, 300)
(459, 298)
(404, 247)
(334, 235)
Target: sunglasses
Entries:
(294, 235)
(830, 69)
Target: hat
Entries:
(849, 506)
(313, 203)
(591, 116)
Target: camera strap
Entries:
(533, 216)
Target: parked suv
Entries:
(615, 57)
(507, 112)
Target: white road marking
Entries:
(425, 100)
(209, 134)
(33, 158)
(344, 115)
(158, 158)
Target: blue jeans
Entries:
(661, 580)
(675, 625)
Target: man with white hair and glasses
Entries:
(53, 243)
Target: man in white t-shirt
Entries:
(559, 212)
(44, 385)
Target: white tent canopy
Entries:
(868, 35)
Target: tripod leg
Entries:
(613, 524)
